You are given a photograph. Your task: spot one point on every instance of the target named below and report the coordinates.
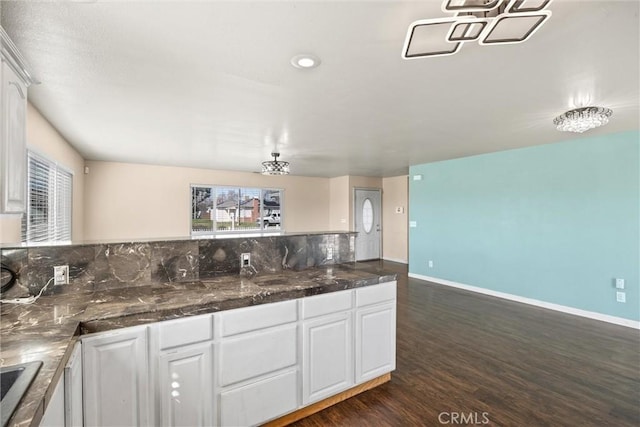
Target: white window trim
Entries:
(57, 167)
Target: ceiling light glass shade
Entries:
(274, 167)
(582, 119)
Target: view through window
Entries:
(220, 209)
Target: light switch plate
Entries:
(413, 224)
(620, 283)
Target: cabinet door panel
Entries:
(186, 387)
(376, 294)
(13, 144)
(258, 317)
(321, 305)
(73, 389)
(260, 401)
(326, 357)
(375, 341)
(116, 379)
(251, 355)
(54, 414)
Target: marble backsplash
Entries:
(97, 267)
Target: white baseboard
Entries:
(401, 261)
(548, 305)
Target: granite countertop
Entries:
(48, 329)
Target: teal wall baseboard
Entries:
(543, 304)
(556, 223)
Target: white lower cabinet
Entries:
(238, 367)
(116, 378)
(260, 400)
(185, 386)
(375, 331)
(257, 362)
(327, 345)
(73, 412)
(54, 414)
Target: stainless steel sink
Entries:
(15, 380)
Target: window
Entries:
(225, 209)
(49, 189)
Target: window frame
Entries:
(54, 169)
(243, 232)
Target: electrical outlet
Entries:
(245, 260)
(430, 263)
(61, 275)
(329, 252)
(621, 297)
(413, 224)
(620, 283)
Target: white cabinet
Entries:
(182, 360)
(116, 390)
(257, 362)
(54, 414)
(73, 388)
(375, 328)
(13, 108)
(185, 386)
(327, 345)
(260, 400)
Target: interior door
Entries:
(367, 218)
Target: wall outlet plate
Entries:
(621, 297)
(620, 283)
(61, 275)
(329, 252)
(245, 259)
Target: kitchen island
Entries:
(49, 329)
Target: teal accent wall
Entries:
(556, 222)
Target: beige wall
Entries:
(339, 218)
(45, 140)
(136, 201)
(395, 193)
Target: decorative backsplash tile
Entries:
(119, 265)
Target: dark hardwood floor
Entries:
(466, 353)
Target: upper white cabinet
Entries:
(13, 103)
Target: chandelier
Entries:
(274, 167)
(582, 119)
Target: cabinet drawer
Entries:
(190, 330)
(376, 294)
(258, 317)
(259, 402)
(326, 304)
(256, 354)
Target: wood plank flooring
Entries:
(459, 352)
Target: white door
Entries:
(326, 357)
(116, 374)
(186, 387)
(368, 220)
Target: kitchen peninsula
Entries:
(214, 345)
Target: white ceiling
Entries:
(209, 84)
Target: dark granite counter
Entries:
(48, 329)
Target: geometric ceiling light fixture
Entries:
(582, 119)
(488, 22)
(274, 167)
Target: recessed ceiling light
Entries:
(305, 61)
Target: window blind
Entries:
(49, 188)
